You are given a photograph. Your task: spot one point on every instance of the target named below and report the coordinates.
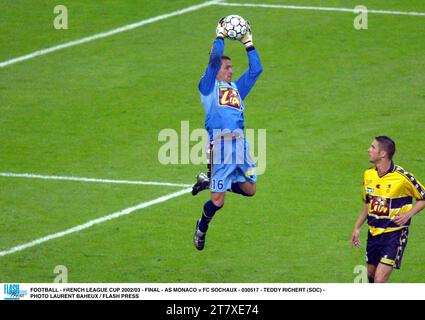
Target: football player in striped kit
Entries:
(388, 193)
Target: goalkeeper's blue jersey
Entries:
(223, 101)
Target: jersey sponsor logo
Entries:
(229, 97)
(379, 206)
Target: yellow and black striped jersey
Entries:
(389, 195)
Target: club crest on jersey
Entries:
(229, 97)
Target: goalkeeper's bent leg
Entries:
(210, 210)
(246, 191)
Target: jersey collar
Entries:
(391, 169)
(222, 82)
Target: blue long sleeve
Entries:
(248, 79)
(207, 82)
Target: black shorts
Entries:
(386, 248)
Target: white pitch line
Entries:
(93, 222)
(290, 7)
(82, 179)
(107, 33)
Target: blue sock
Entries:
(209, 211)
(237, 189)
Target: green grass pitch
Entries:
(95, 110)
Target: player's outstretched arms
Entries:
(248, 79)
(247, 38)
(220, 30)
(207, 82)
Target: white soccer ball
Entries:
(235, 27)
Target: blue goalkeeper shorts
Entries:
(230, 162)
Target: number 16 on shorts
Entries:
(217, 184)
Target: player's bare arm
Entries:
(402, 219)
(360, 221)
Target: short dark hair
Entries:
(387, 144)
(225, 58)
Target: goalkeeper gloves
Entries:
(220, 31)
(247, 38)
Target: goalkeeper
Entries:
(230, 165)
